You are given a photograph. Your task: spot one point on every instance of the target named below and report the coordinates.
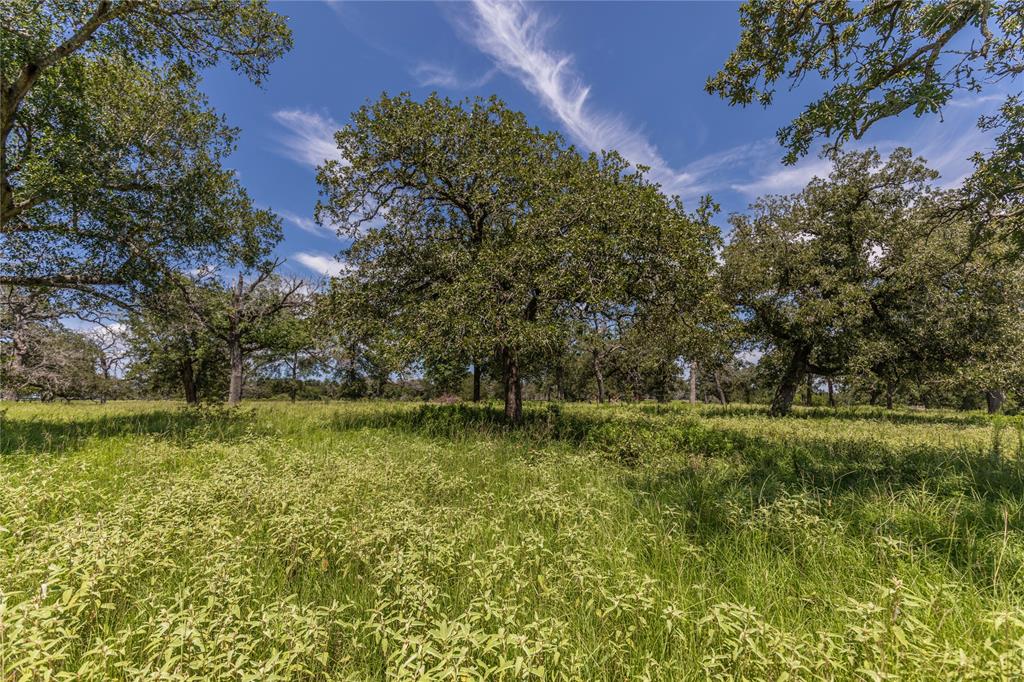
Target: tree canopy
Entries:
(879, 59)
(863, 270)
(476, 235)
(112, 158)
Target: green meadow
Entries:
(396, 540)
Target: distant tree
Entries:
(295, 351)
(357, 361)
(475, 235)
(112, 353)
(172, 352)
(63, 365)
(111, 157)
(443, 379)
(858, 271)
(600, 338)
(880, 59)
(953, 303)
(23, 313)
(995, 368)
(41, 357)
(30, 319)
(253, 313)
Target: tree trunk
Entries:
(809, 390)
(782, 402)
(831, 392)
(19, 350)
(889, 390)
(718, 387)
(188, 382)
(693, 382)
(235, 387)
(663, 387)
(513, 387)
(599, 378)
(294, 389)
(10, 387)
(994, 400)
(476, 381)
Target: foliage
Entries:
(258, 312)
(477, 236)
(172, 355)
(59, 363)
(861, 273)
(879, 59)
(41, 357)
(883, 59)
(112, 159)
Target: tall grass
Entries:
(371, 541)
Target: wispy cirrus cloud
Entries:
(946, 145)
(975, 101)
(320, 263)
(305, 223)
(785, 179)
(309, 138)
(438, 75)
(948, 150)
(515, 37)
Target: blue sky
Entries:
(626, 76)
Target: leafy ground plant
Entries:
(377, 540)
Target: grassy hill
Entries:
(381, 540)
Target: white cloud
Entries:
(974, 100)
(306, 224)
(734, 157)
(325, 265)
(438, 75)
(514, 37)
(946, 145)
(786, 179)
(948, 148)
(310, 136)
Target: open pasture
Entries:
(382, 540)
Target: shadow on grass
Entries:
(952, 504)
(642, 435)
(645, 435)
(648, 437)
(955, 502)
(37, 436)
(845, 414)
(705, 469)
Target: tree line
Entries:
(487, 258)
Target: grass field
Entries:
(370, 541)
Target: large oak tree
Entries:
(859, 271)
(478, 236)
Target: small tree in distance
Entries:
(248, 314)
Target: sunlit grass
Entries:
(365, 540)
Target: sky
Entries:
(607, 75)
